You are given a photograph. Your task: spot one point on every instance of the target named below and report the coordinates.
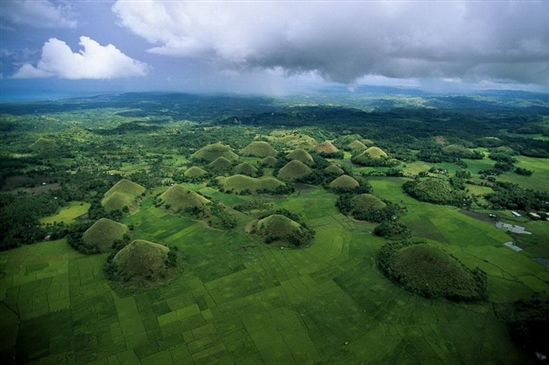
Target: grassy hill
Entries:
(43, 144)
(245, 168)
(490, 142)
(141, 260)
(429, 271)
(373, 156)
(301, 155)
(334, 169)
(259, 149)
(375, 152)
(292, 138)
(458, 151)
(434, 190)
(326, 147)
(356, 145)
(126, 187)
(435, 186)
(344, 140)
(213, 151)
(103, 233)
(277, 227)
(123, 194)
(367, 202)
(221, 164)
(117, 201)
(344, 182)
(293, 170)
(179, 197)
(195, 171)
(268, 161)
(241, 183)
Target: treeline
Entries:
(19, 218)
(511, 196)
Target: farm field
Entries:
(239, 301)
(309, 291)
(68, 214)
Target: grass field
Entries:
(539, 178)
(239, 301)
(68, 214)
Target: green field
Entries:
(239, 301)
(68, 214)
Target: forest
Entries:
(177, 228)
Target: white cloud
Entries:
(94, 61)
(28, 71)
(345, 40)
(38, 13)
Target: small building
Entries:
(516, 214)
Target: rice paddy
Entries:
(240, 301)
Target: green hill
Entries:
(195, 171)
(344, 182)
(259, 149)
(490, 142)
(293, 170)
(344, 140)
(301, 155)
(356, 146)
(241, 183)
(43, 144)
(213, 151)
(334, 169)
(506, 149)
(429, 271)
(292, 138)
(458, 151)
(141, 261)
(366, 207)
(268, 161)
(123, 194)
(117, 201)
(127, 187)
(434, 190)
(103, 233)
(373, 156)
(245, 168)
(277, 227)
(221, 164)
(366, 202)
(326, 147)
(178, 197)
(375, 152)
(435, 186)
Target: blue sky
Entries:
(270, 47)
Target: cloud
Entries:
(38, 14)
(345, 40)
(93, 62)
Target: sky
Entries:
(61, 47)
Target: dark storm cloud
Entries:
(343, 41)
